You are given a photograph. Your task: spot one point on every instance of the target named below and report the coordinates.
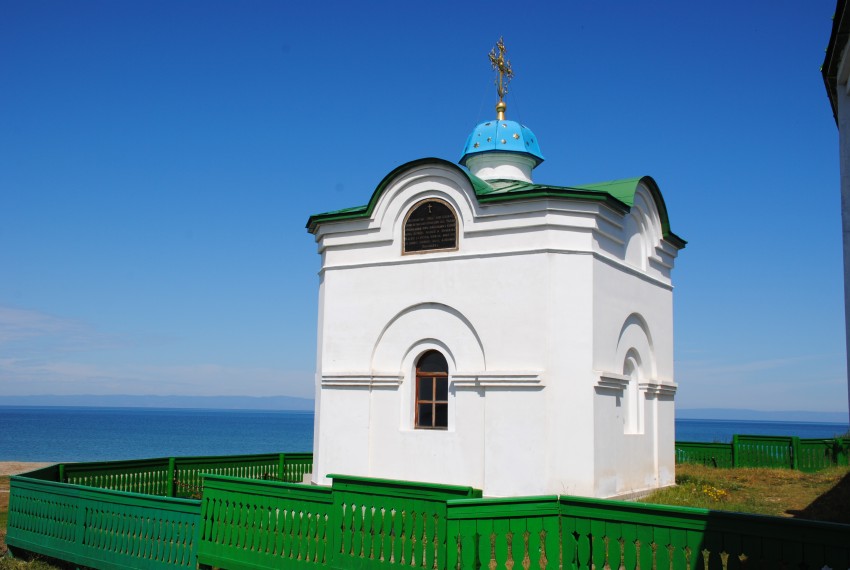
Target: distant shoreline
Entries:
(150, 408)
(269, 403)
(733, 421)
(745, 415)
(294, 404)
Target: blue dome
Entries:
(502, 136)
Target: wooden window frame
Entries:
(433, 401)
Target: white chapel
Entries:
(478, 328)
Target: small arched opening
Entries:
(432, 391)
(632, 405)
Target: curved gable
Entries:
(366, 210)
(619, 194)
(624, 191)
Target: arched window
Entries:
(432, 391)
(431, 225)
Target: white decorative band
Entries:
(497, 380)
(658, 389)
(362, 380)
(612, 381)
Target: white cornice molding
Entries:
(362, 380)
(658, 389)
(612, 381)
(524, 379)
(618, 383)
(464, 380)
(455, 256)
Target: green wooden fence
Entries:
(817, 454)
(767, 451)
(357, 523)
(181, 476)
(364, 524)
(708, 454)
(101, 528)
(389, 524)
(571, 533)
(264, 524)
(126, 514)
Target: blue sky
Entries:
(158, 162)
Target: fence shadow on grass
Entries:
(832, 506)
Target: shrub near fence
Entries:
(766, 451)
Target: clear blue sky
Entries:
(158, 162)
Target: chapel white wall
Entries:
(357, 335)
(528, 312)
(628, 460)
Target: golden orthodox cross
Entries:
(503, 66)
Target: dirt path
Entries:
(15, 467)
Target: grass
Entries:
(824, 495)
(12, 564)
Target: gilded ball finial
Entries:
(500, 110)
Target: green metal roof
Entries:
(618, 194)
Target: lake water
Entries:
(108, 434)
(723, 430)
(105, 434)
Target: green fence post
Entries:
(172, 475)
(281, 464)
(795, 452)
(735, 450)
(61, 473)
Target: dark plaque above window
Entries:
(430, 226)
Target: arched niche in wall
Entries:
(430, 225)
(458, 340)
(635, 337)
(632, 398)
(636, 247)
(642, 229)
